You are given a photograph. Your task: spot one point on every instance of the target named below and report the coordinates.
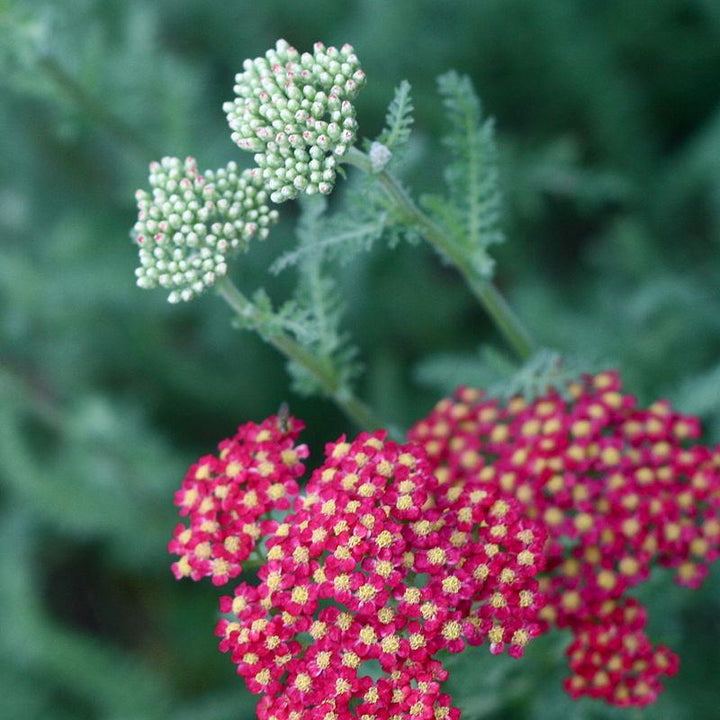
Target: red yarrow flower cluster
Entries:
(228, 498)
(371, 569)
(618, 488)
(612, 657)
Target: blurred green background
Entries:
(608, 116)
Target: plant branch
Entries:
(507, 322)
(325, 374)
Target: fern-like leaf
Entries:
(472, 213)
(340, 238)
(494, 372)
(320, 306)
(399, 119)
(545, 372)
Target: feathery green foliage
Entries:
(546, 371)
(338, 238)
(319, 299)
(398, 120)
(471, 213)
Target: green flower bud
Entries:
(191, 222)
(291, 108)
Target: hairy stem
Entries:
(324, 373)
(507, 322)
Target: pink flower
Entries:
(373, 565)
(228, 498)
(612, 658)
(617, 488)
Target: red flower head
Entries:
(228, 498)
(617, 487)
(612, 658)
(371, 570)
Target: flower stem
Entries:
(324, 373)
(507, 322)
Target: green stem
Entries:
(324, 373)
(507, 322)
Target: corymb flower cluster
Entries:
(371, 566)
(229, 498)
(193, 221)
(617, 487)
(396, 553)
(295, 112)
(369, 572)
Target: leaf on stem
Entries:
(398, 120)
(491, 370)
(321, 307)
(471, 213)
(339, 238)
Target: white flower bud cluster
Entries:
(295, 112)
(192, 221)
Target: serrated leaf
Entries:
(492, 371)
(472, 212)
(545, 372)
(318, 308)
(340, 239)
(399, 118)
